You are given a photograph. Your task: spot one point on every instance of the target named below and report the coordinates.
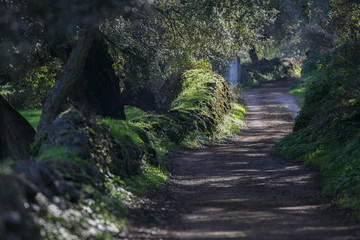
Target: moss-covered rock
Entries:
(202, 103)
(206, 91)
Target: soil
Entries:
(240, 189)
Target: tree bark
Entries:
(253, 55)
(74, 67)
(16, 134)
(98, 88)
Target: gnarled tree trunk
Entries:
(74, 67)
(97, 89)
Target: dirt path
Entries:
(240, 190)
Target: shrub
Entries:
(327, 129)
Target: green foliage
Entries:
(233, 122)
(206, 91)
(344, 19)
(31, 91)
(327, 129)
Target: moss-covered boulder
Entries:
(201, 104)
(86, 141)
(205, 91)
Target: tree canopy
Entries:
(149, 40)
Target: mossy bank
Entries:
(86, 170)
(327, 130)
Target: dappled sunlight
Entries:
(240, 190)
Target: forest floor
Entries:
(240, 189)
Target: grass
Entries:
(298, 88)
(32, 116)
(61, 153)
(151, 177)
(196, 88)
(233, 122)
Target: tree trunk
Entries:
(16, 134)
(253, 55)
(98, 90)
(74, 67)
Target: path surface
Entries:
(240, 190)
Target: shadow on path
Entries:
(240, 190)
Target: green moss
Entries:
(194, 91)
(205, 91)
(150, 177)
(123, 133)
(61, 153)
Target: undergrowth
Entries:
(327, 130)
